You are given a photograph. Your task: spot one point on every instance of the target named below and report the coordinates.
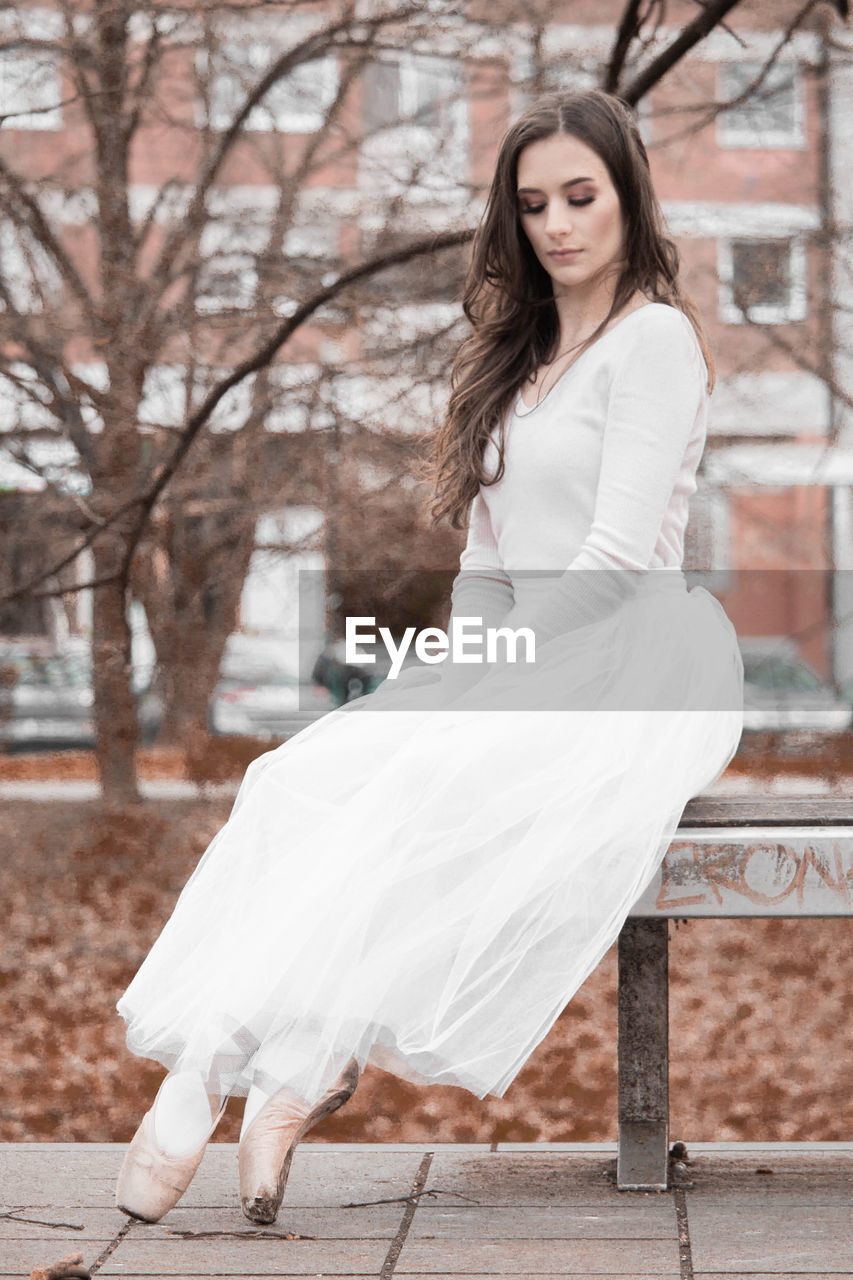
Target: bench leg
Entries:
(643, 1159)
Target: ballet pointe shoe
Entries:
(267, 1147)
(150, 1182)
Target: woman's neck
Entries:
(580, 315)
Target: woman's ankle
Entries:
(184, 1113)
(258, 1097)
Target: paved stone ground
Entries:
(444, 1213)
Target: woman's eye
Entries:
(576, 203)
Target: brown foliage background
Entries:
(761, 1044)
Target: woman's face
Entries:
(570, 212)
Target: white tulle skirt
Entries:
(424, 887)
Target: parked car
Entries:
(783, 691)
(259, 692)
(46, 696)
(348, 680)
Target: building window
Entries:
(229, 248)
(29, 90)
(164, 397)
(410, 89)
(415, 115)
(234, 409)
(319, 239)
(707, 538)
(171, 392)
(25, 402)
(295, 104)
(295, 404)
(29, 281)
(771, 115)
(762, 280)
(227, 282)
(382, 89)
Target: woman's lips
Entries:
(563, 255)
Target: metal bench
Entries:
(729, 857)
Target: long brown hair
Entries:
(508, 295)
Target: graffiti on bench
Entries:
(781, 871)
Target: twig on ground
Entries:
(69, 1267)
(429, 1191)
(241, 1235)
(13, 1215)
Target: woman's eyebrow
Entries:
(526, 191)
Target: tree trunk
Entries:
(192, 605)
(116, 726)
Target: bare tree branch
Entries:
(145, 500)
(264, 355)
(306, 51)
(632, 21)
(50, 368)
(25, 210)
(711, 15)
(705, 113)
(150, 62)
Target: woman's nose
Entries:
(558, 219)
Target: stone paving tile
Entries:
(650, 1221)
(533, 1214)
(529, 1178)
(787, 1249)
(784, 1214)
(795, 1158)
(377, 1223)
(20, 1257)
(44, 1174)
(784, 1193)
(755, 1179)
(802, 1238)
(97, 1224)
(320, 1177)
(230, 1257)
(538, 1257)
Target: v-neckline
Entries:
(531, 408)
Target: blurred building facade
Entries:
(757, 194)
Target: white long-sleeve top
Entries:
(598, 476)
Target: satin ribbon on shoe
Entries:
(267, 1147)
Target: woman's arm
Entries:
(481, 589)
(654, 398)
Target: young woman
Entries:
(426, 890)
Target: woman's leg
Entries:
(183, 1112)
(256, 1099)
